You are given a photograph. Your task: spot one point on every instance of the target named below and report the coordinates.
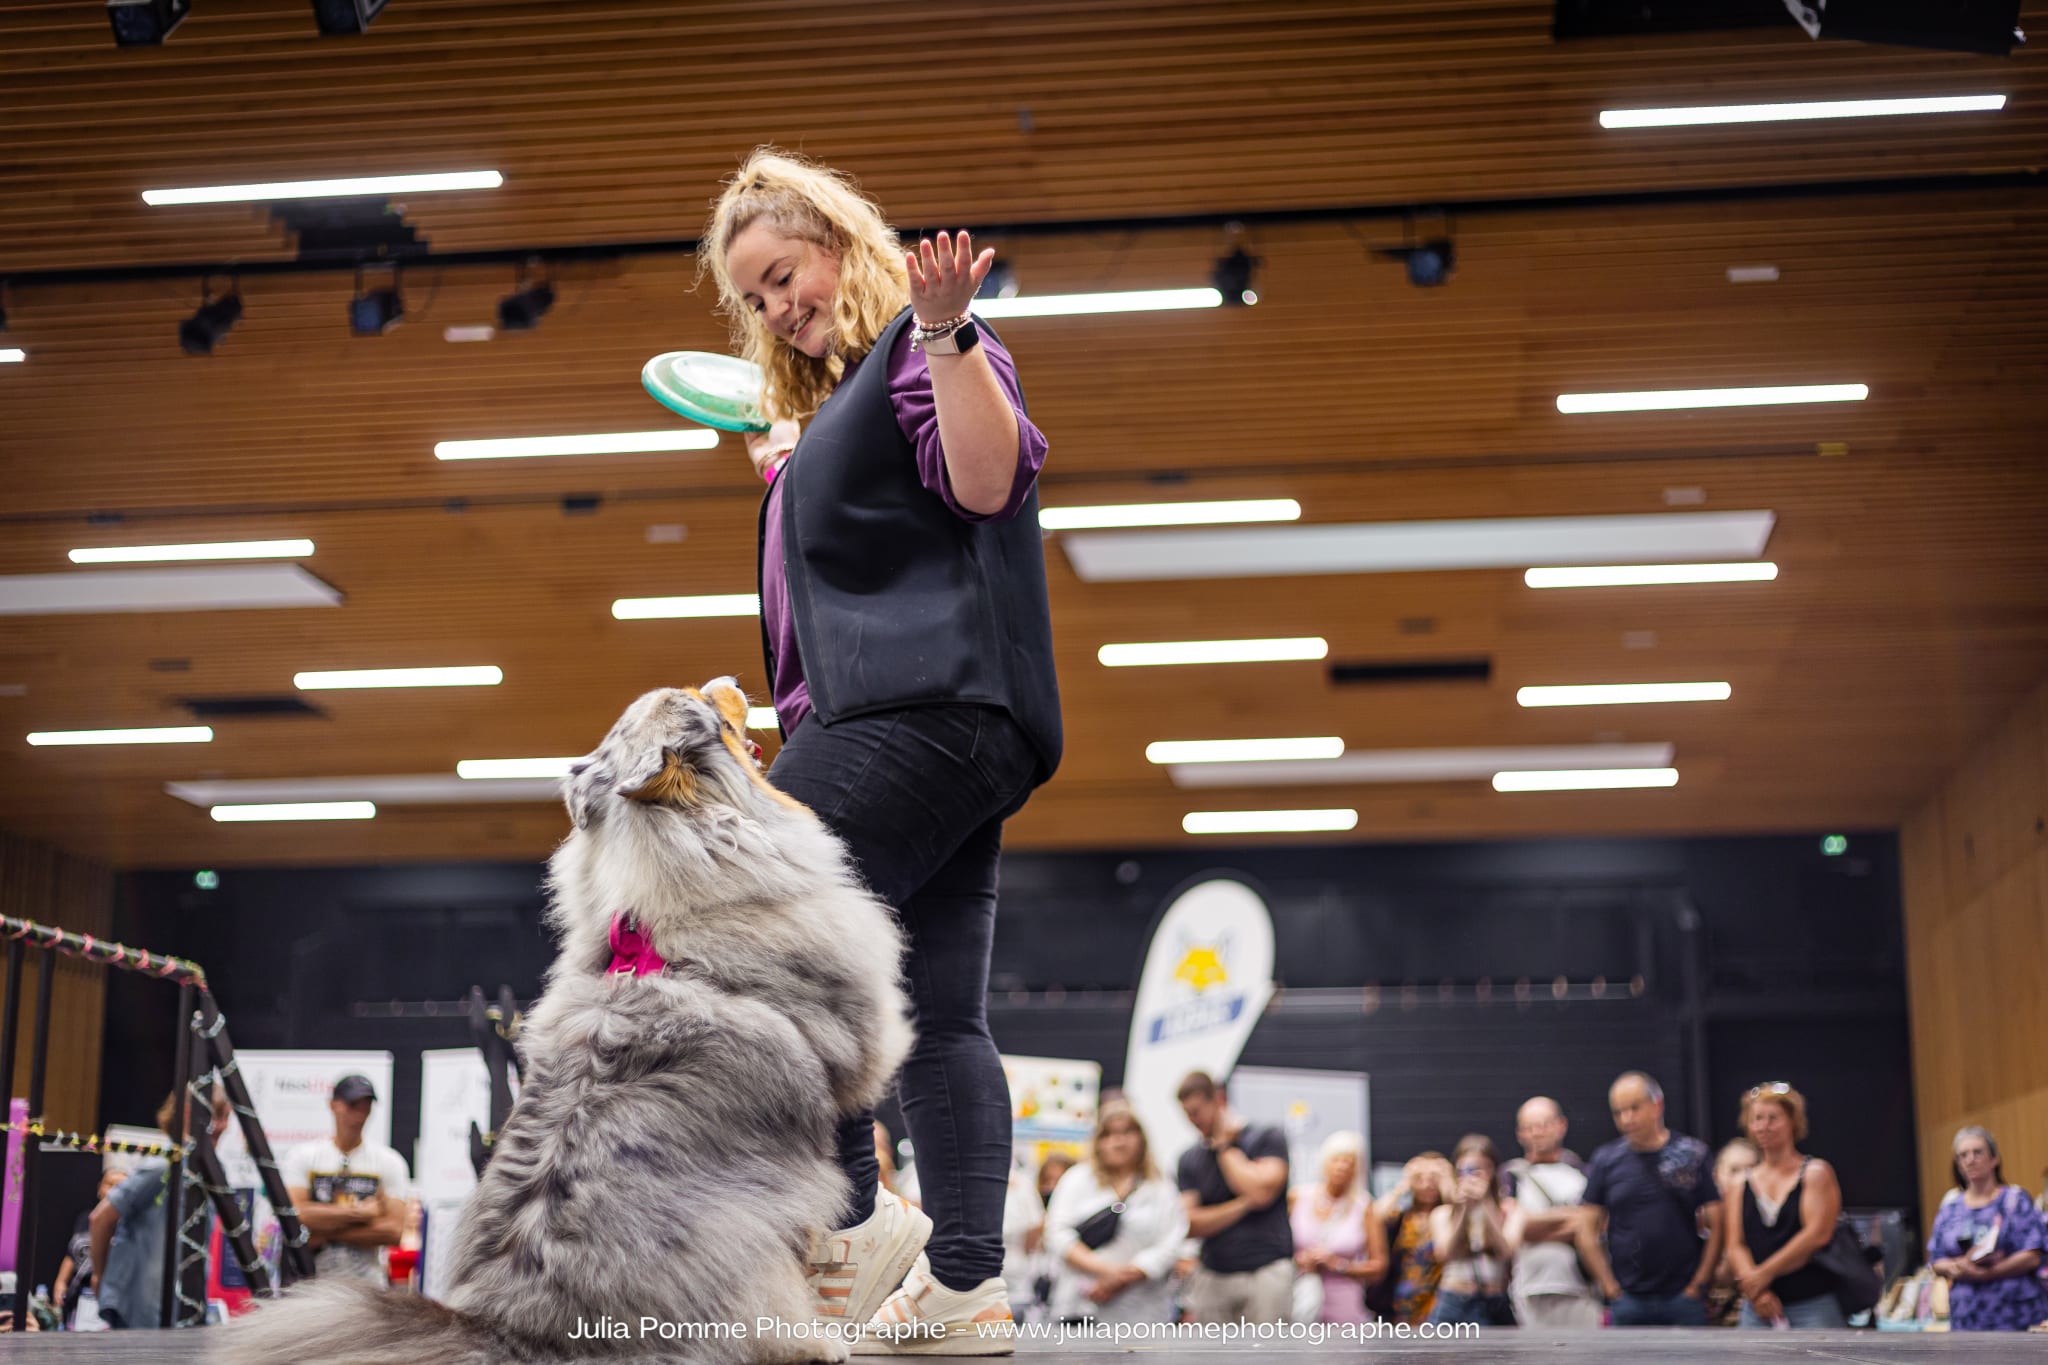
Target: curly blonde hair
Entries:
(802, 199)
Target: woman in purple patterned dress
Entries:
(1988, 1240)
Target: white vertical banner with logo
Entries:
(1207, 978)
(291, 1092)
(455, 1091)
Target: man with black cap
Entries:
(350, 1192)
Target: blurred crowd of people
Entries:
(1655, 1229)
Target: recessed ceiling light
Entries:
(485, 676)
(475, 333)
(1587, 779)
(12, 355)
(356, 187)
(1752, 274)
(233, 549)
(162, 734)
(401, 789)
(1622, 694)
(1267, 821)
(669, 608)
(1784, 113)
(1671, 400)
(1242, 750)
(1072, 305)
(1642, 575)
(297, 810)
(1391, 766)
(484, 769)
(762, 718)
(228, 587)
(1415, 546)
(1213, 652)
(1168, 514)
(610, 443)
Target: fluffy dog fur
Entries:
(673, 1146)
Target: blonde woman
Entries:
(909, 656)
(1118, 1201)
(1782, 1217)
(1335, 1236)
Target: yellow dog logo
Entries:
(1201, 967)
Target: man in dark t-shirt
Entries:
(1649, 1185)
(1234, 1186)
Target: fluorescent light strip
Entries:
(164, 734)
(1622, 694)
(1785, 113)
(485, 676)
(1075, 305)
(226, 587)
(1243, 750)
(1385, 766)
(1213, 652)
(1268, 821)
(326, 189)
(610, 443)
(1585, 779)
(234, 549)
(398, 789)
(1671, 400)
(670, 608)
(12, 355)
(1644, 575)
(484, 769)
(1168, 514)
(297, 810)
(762, 718)
(1415, 546)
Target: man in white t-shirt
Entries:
(1541, 1193)
(350, 1192)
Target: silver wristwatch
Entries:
(955, 341)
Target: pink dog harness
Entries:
(632, 951)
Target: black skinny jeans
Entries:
(919, 796)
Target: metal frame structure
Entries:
(205, 1057)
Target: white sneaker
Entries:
(853, 1270)
(926, 1318)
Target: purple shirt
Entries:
(917, 413)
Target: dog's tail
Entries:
(356, 1323)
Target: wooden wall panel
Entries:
(1975, 872)
(40, 883)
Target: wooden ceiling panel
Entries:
(1910, 614)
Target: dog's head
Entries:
(677, 751)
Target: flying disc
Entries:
(718, 390)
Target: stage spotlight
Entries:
(203, 331)
(145, 23)
(1233, 278)
(374, 313)
(1429, 263)
(1000, 282)
(522, 311)
(1987, 26)
(342, 18)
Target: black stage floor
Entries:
(1507, 1346)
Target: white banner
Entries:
(1308, 1106)
(1207, 978)
(455, 1090)
(291, 1092)
(1052, 1107)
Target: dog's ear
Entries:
(725, 694)
(584, 790)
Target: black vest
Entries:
(897, 600)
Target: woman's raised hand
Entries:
(943, 278)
